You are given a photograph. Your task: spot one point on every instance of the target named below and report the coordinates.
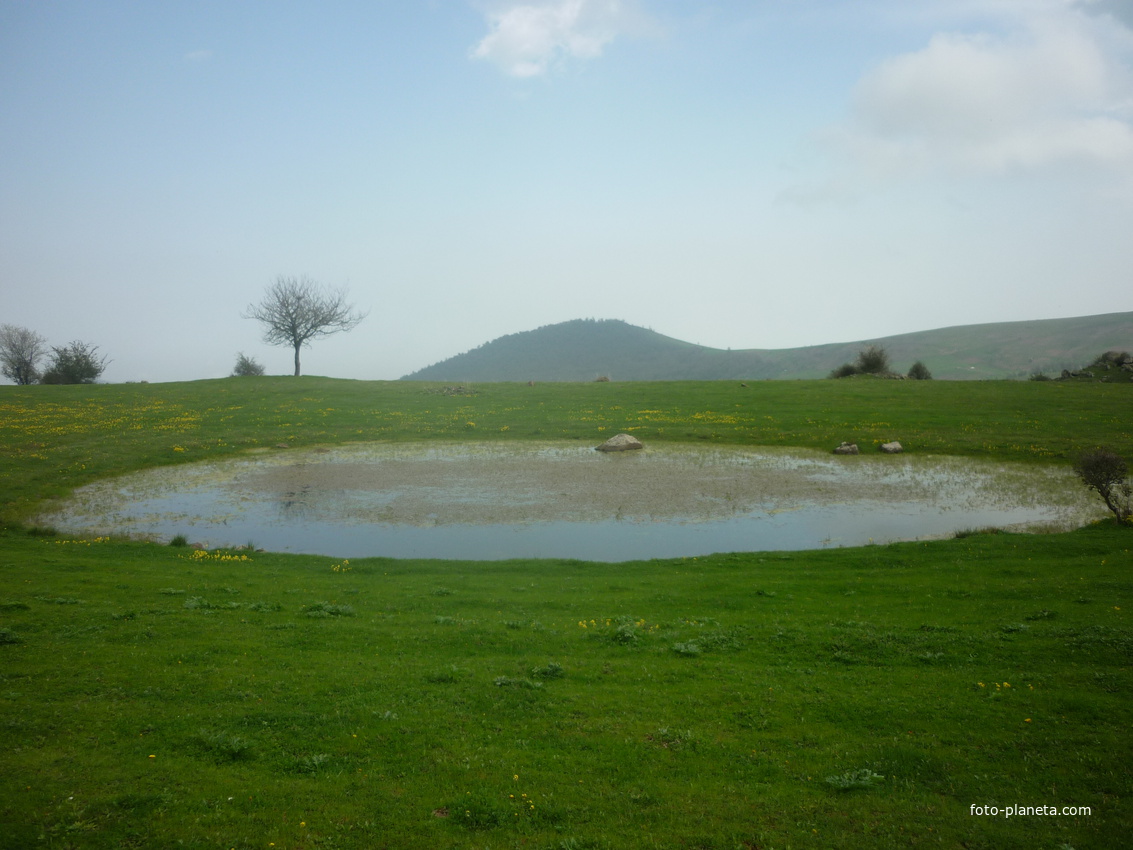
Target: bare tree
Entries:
(296, 310)
(20, 353)
(1106, 472)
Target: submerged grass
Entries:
(154, 697)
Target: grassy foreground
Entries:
(154, 696)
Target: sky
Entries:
(739, 174)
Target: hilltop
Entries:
(586, 349)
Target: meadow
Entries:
(157, 695)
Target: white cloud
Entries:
(1055, 88)
(528, 38)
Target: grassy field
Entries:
(158, 696)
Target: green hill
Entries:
(586, 349)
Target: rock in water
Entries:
(620, 443)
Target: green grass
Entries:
(156, 696)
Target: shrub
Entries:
(919, 372)
(873, 360)
(76, 363)
(844, 371)
(1107, 473)
(246, 367)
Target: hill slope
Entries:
(584, 349)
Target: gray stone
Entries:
(892, 448)
(620, 443)
(847, 449)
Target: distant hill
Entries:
(585, 349)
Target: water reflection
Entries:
(495, 501)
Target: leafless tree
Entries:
(1106, 472)
(20, 353)
(295, 311)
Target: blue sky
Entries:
(738, 174)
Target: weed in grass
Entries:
(509, 682)
(179, 540)
(9, 636)
(550, 670)
(442, 677)
(14, 606)
(327, 609)
(171, 591)
(853, 780)
(672, 739)
(224, 747)
(311, 764)
(478, 811)
(264, 607)
(688, 648)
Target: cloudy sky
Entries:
(739, 173)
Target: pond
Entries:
(521, 500)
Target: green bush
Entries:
(873, 360)
(246, 367)
(76, 363)
(919, 372)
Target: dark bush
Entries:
(77, 363)
(246, 367)
(1107, 473)
(844, 371)
(873, 360)
(919, 372)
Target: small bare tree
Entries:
(1106, 472)
(296, 310)
(20, 353)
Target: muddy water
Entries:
(492, 501)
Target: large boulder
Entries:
(847, 449)
(892, 448)
(620, 443)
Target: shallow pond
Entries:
(495, 501)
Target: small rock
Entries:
(847, 449)
(892, 448)
(620, 443)
(282, 446)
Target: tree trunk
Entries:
(297, 361)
